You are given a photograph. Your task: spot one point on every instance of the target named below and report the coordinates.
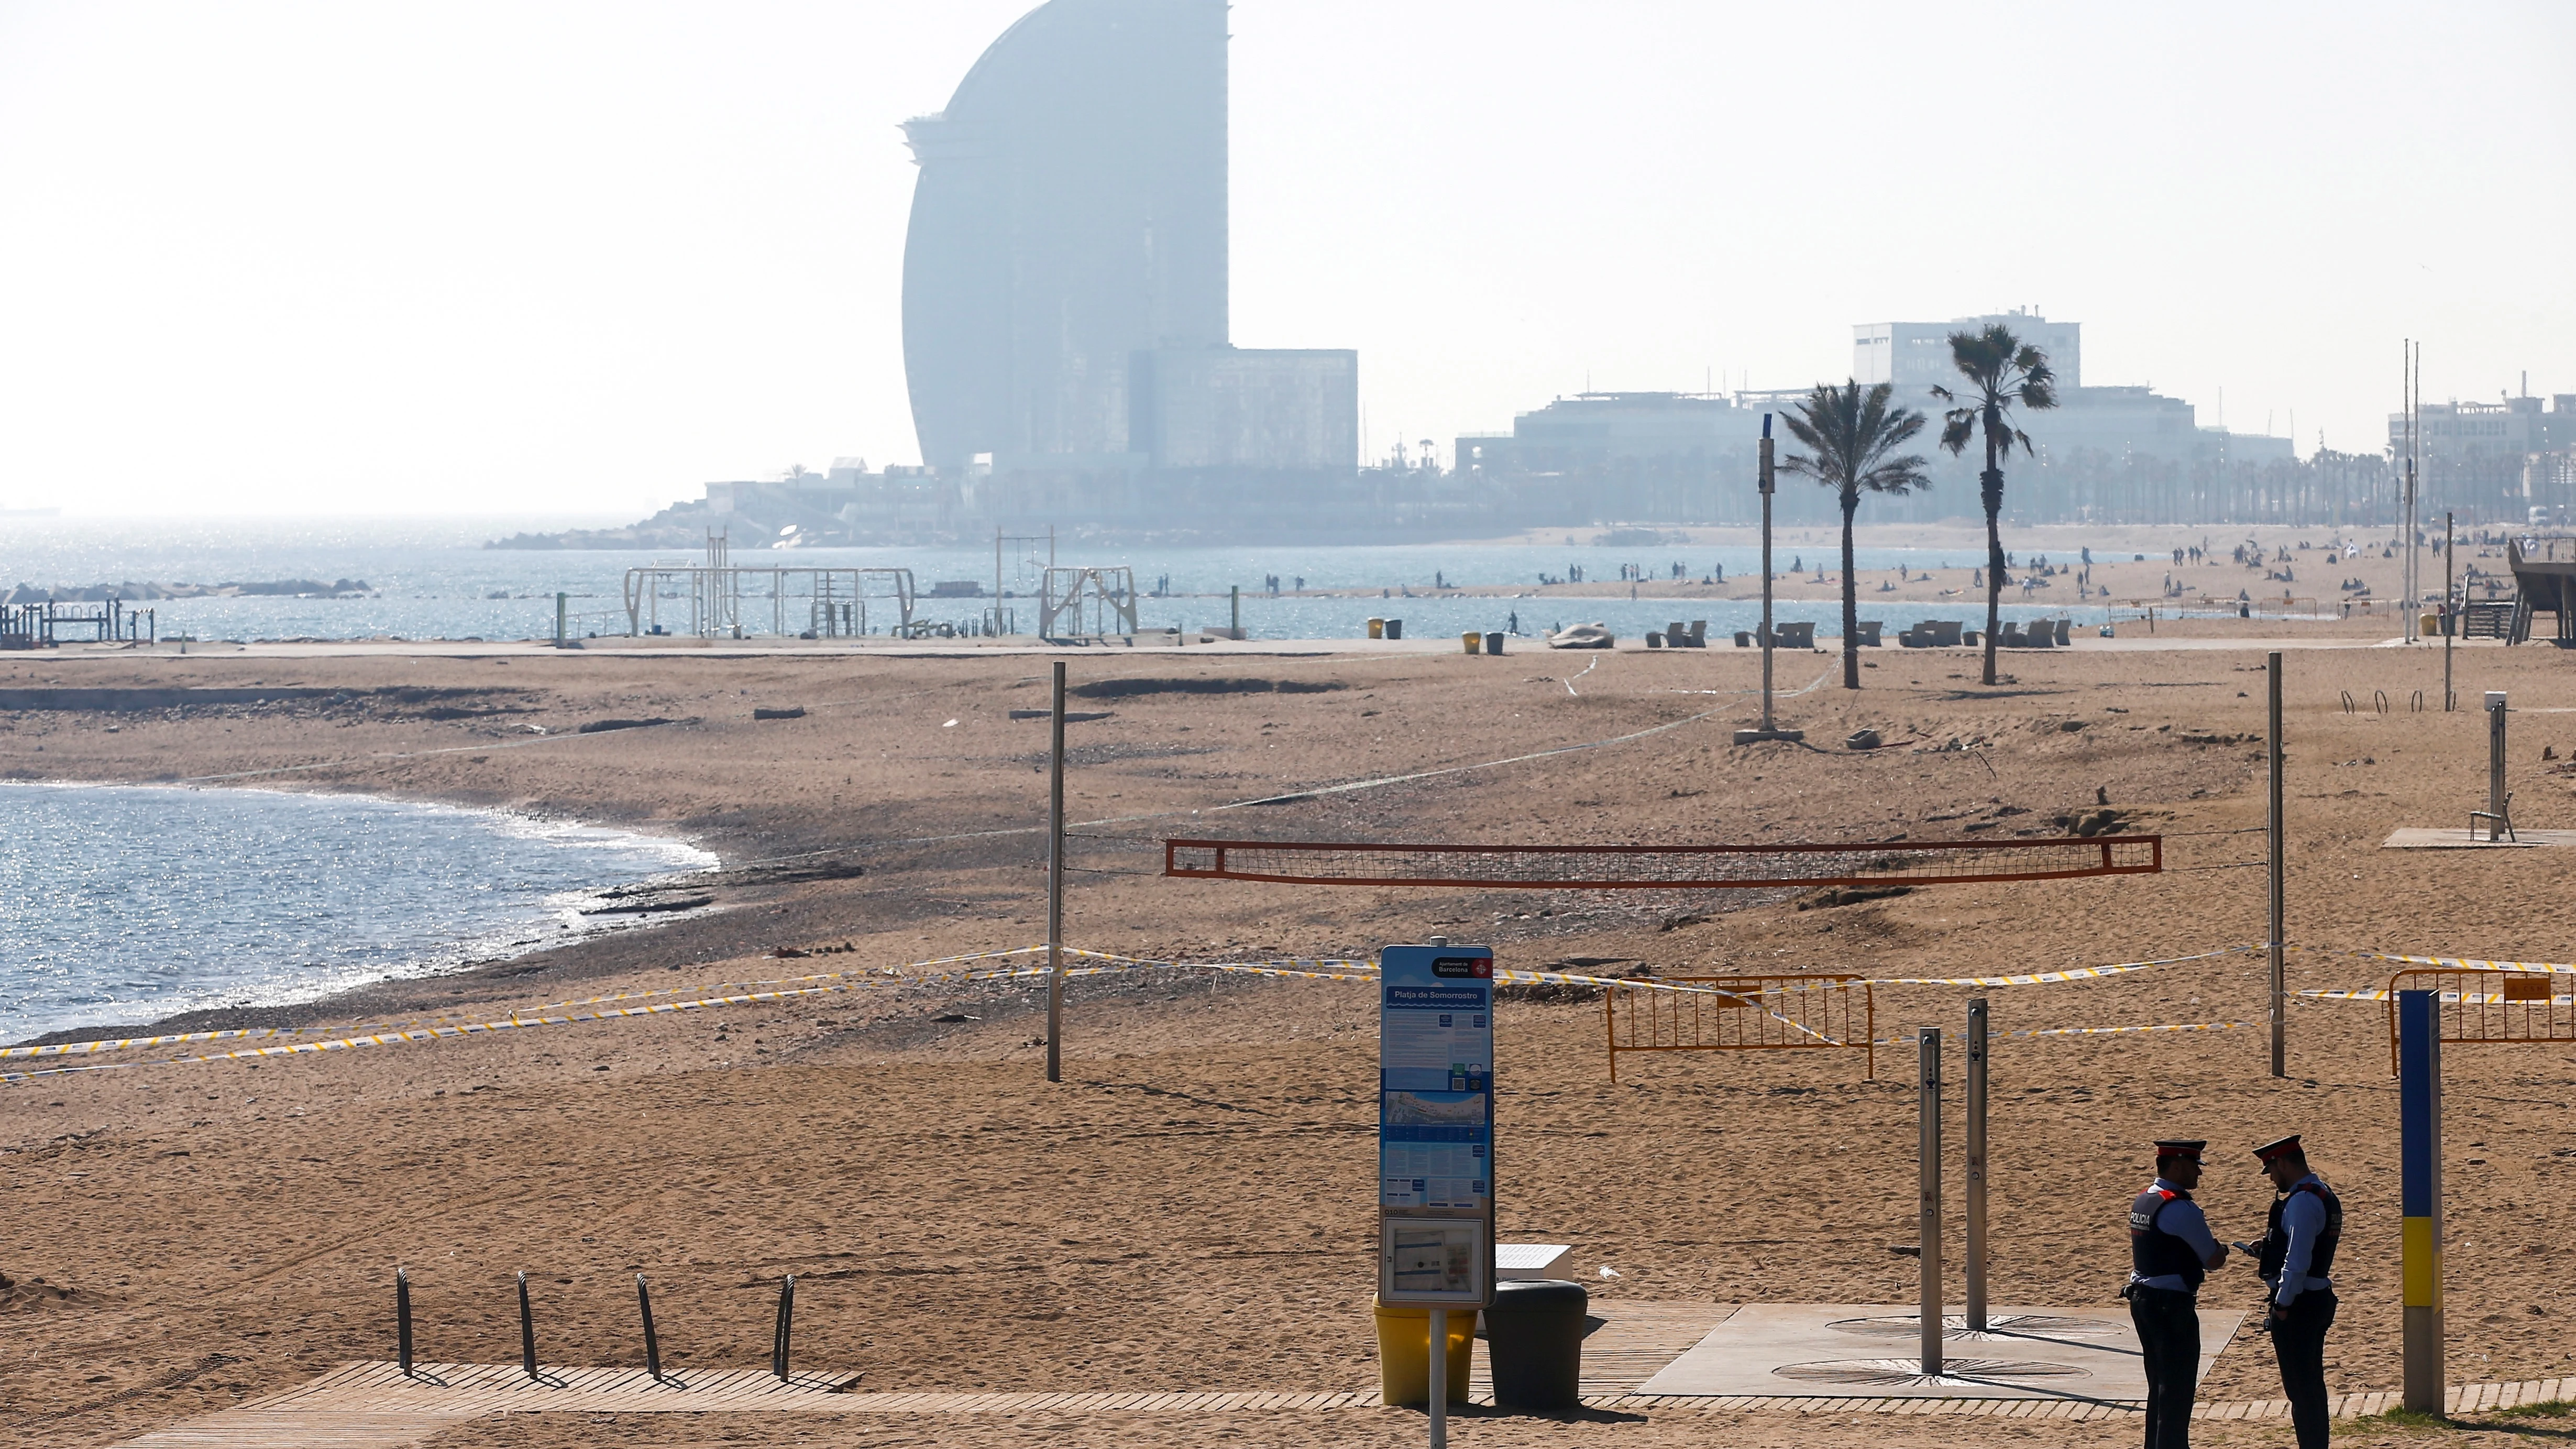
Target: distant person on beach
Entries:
(2171, 1251)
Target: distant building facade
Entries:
(2104, 454)
(1915, 356)
(2494, 462)
(1065, 323)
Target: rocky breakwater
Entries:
(134, 593)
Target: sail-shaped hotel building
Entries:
(1065, 275)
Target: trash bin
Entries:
(1474, 640)
(1377, 628)
(1493, 641)
(1395, 630)
(1534, 1337)
(1404, 1354)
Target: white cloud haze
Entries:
(267, 257)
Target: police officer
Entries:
(2296, 1258)
(2170, 1251)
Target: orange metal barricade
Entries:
(1805, 1012)
(2485, 1005)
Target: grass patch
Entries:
(2397, 1419)
(2545, 1409)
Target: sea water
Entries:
(123, 904)
(433, 579)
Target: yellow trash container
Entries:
(1377, 630)
(1404, 1354)
(1474, 639)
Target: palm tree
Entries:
(2001, 370)
(1852, 433)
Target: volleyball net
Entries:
(1662, 867)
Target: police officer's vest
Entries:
(2276, 1241)
(2153, 1252)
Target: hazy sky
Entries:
(356, 257)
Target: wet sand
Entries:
(1192, 1208)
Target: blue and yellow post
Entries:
(2419, 1110)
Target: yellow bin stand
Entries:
(1404, 1354)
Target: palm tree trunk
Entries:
(1990, 487)
(1851, 596)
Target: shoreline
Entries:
(568, 917)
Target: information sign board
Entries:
(1436, 1125)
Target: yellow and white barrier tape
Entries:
(2072, 973)
(832, 982)
(2447, 998)
(2457, 963)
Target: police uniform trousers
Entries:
(2169, 1331)
(2299, 1338)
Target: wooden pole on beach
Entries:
(1928, 1190)
(2450, 616)
(1764, 483)
(1055, 887)
(2272, 924)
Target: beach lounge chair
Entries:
(1869, 629)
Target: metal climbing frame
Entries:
(1093, 603)
(824, 603)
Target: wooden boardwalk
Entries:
(370, 1405)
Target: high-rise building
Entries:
(1064, 288)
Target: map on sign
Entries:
(1436, 1123)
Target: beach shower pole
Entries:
(527, 1331)
(2499, 819)
(1977, 1165)
(1765, 481)
(782, 1337)
(1055, 888)
(652, 1345)
(1234, 610)
(2272, 920)
(402, 1321)
(1928, 1204)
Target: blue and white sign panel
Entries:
(1436, 1124)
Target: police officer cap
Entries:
(2177, 1147)
(2280, 1147)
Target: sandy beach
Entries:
(1191, 1209)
